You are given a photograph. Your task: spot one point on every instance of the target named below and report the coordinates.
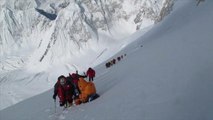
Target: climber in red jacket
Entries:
(65, 90)
(91, 74)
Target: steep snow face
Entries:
(42, 39)
(165, 75)
(46, 29)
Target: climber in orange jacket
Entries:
(87, 91)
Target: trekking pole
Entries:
(55, 104)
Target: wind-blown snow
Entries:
(166, 75)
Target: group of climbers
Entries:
(113, 61)
(75, 89)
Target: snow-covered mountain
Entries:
(165, 75)
(61, 28)
(42, 39)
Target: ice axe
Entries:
(55, 105)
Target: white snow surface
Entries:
(165, 75)
(35, 49)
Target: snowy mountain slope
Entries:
(76, 23)
(41, 40)
(169, 77)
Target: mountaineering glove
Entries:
(54, 96)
